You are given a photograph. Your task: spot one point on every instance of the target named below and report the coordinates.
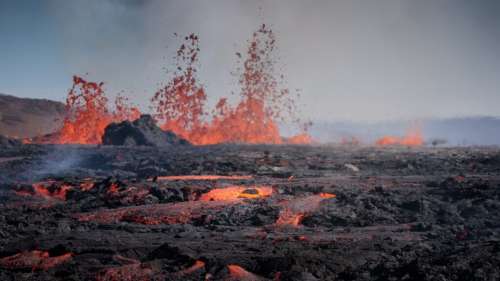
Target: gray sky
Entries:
(352, 60)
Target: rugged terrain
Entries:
(257, 213)
(26, 118)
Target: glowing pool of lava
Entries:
(232, 193)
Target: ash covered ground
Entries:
(265, 213)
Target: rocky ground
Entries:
(249, 213)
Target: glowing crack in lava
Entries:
(232, 193)
(180, 104)
(34, 260)
(47, 190)
(412, 138)
(295, 210)
(87, 113)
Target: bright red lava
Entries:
(233, 193)
(412, 138)
(180, 105)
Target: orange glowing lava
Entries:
(294, 211)
(237, 192)
(195, 267)
(180, 104)
(88, 114)
(327, 195)
(34, 260)
(237, 272)
(202, 178)
(412, 138)
(47, 190)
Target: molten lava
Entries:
(180, 104)
(295, 210)
(233, 193)
(87, 113)
(198, 265)
(412, 138)
(237, 272)
(47, 190)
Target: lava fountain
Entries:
(180, 104)
(87, 113)
(413, 137)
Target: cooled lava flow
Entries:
(176, 213)
(203, 178)
(129, 272)
(34, 260)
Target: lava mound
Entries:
(142, 131)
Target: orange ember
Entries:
(237, 192)
(237, 272)
(412, 138)
(34, 260)
(203, 178)
(88, 114)
(327, 195)
(198, 265)
(180, 104)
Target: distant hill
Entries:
(456, 131)
(23, 117)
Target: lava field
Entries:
(249, 212)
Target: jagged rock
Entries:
(142, 131)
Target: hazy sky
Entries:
(352, 60)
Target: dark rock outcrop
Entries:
(142, 131)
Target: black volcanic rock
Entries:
(142, 131)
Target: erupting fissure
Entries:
(87, 113)
(413, 137)
(180, 105)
